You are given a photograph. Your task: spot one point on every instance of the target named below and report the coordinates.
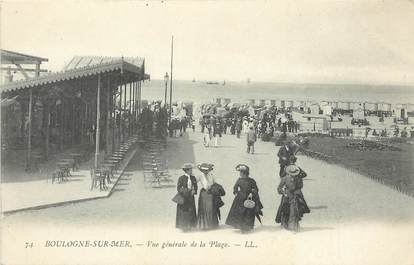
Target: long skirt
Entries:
(207, 217)
(206, 139)
(186, 215)
(291, 211)
(240, 217)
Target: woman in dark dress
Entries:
(209, 200)
(239, 216)
(293, 205)
(186, 218)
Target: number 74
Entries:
(28, 244)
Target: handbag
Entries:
(178, 199)
(249, 203)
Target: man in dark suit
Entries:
(286, 155)
(186, 218)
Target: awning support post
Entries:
(98, 117)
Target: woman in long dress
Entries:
(206, 135)
(209, 200)
(239, 216)
(187, 187)
(293, 205)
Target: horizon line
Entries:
(297, 83)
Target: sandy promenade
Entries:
(354, 220)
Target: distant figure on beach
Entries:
(233, 126)
(211, 131)
(218, 129)
(202, 124)
(396, 131)
(245, 125)
(186, 218)
(238, 127)
(293, 205)
(251, 138)
(246, 205)
(404, 133)
(206, 135)
(209, 200)
(193, 124)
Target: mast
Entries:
(171, 76)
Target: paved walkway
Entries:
(354, 220)
(38, 194)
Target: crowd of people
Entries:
(261, 125)
(155, 118)
(246, 206)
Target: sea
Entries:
(200, 91)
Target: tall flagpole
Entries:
(171, 77)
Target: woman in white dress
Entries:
(209, 200)
(245, 125)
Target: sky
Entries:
(270, 41)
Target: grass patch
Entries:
(393, 166)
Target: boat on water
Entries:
(194, 80)
(216, 83)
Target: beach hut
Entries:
(344, 105)
(297, 104)
(335, 104)
(371, 106)
(358, 113)
(279, 103)
(383, 106)
(327, 110)
(356, 105)
(400, 111)
(314, 123)
(314, 109)
(262, 102)
(409, 107)
(289, 103)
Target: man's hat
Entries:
(205, 167)
(187, 166)
(292, 170)
(242, 167)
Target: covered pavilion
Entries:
(94, 102)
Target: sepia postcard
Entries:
(207, 132)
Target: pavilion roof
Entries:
(79, 69)
(10, 57)
(84, 61)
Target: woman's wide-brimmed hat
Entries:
(292, 170)
(187, 166)
(242, 167)
(205, 167)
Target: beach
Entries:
(201, 92)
